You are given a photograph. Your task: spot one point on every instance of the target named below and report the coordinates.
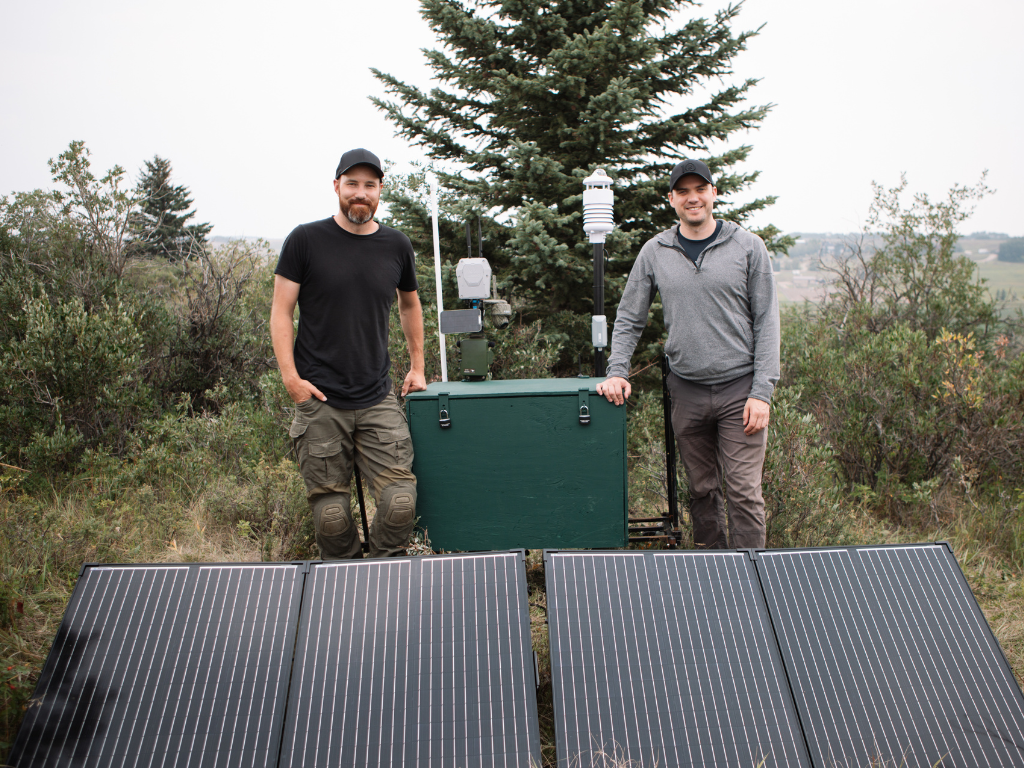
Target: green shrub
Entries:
(74, 379)
(905, 365)
(803, 504)
(268, 505)
(915, 278)
(220, 335)
(900, 410)
(185, 448)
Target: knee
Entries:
(330, 514)
(745, 495)
(398, 505)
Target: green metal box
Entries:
(512, 465)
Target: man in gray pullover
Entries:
(722, 315)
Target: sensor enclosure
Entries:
(598, 201)
(474, 278)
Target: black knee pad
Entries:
(398, 505)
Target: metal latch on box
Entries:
(584, 407)
(442, 411)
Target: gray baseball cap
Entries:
(696, 167)
(356, 157)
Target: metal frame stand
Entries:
(666, 527)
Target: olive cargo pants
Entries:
(708, 423)
(327, 440)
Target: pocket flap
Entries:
(396, 435)
(297, 429)
(324, 448)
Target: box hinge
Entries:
(443, 417)
(585, 406)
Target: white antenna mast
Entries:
(432, 182)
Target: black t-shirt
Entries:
(347, 285)
(694, 248)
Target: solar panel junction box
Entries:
(527, 463)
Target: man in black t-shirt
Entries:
(344, 273)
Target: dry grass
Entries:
(201, 540)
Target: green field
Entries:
(998, 275)
(1002, 275)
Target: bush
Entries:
(905, 365)
(75, 379)
(184, 449)
(221, 335)
(95, 339)
(915, 278)
(268, 506)
(802, 500)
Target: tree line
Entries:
(112, 308)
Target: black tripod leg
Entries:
(670, 452)
(362, 511)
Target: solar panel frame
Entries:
(408, 710)
(104, 669)
(640, 695)
(907, 649)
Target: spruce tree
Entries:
(533, 96)
(162, 224)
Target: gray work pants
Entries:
(708, 423)
(327, 441)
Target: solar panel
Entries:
(414, 662)
(668, 659)
(164, 666)
(891, 659)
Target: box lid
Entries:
(507, 388)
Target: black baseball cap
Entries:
(356, 157)
(696, 167)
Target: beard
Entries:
(698, 223)
(357, 213)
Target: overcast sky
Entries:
(253, 102)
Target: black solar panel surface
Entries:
(666, 659)
(891, 659)
(414, 662)
(163, 666)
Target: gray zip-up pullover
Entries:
(722, 313)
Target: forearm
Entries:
(282, 337)
(412, 326)
(764, 307)
(630, 321)
(766, 372)
(767, 343)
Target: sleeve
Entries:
(631, 316)
(291, 264)
(764, 310)
(407, 281)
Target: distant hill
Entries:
(799, 279)
(979, 246)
